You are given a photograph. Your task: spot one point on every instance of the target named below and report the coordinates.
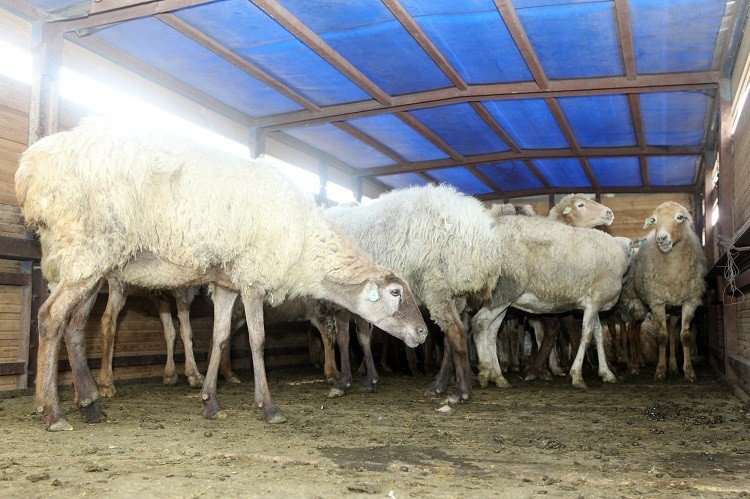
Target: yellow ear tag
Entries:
(373, 295)
(567, 210)
(649, 222)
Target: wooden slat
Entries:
(20, 249)
(509, 15)
(625, 34)
(12, 368)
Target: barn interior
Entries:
(632, 102)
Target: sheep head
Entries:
(388, 303)
(669, 221)
(577, 210)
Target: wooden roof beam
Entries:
(320, 47)
(707, 80)
(690, 189)
(536, 171)
(486, 180)
(570, 136)
(381, 148)
(220, 50)
(431, 136)
(528, 154)
(513, 23)
(408, 22)
(492, 122)
(625, 34)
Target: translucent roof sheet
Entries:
(185, 59)
(460, 178)
(675, 35)
(511, 175)
(341, 145)
(600, 120)
(672, 170)
(558, 32)
(252, 34)
(398, 136)
(674, 118)
(617, 172)
(563, 172)
(529, 122)
(402, 180)
(469, 39)
(461, 127)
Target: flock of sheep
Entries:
(135, 209)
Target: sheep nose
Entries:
(663, 239)
(422, 332)
(610, 214)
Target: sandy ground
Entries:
(636, 438)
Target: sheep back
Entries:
(440, 241)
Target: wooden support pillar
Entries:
(256, 142)
(44, 103)
(358, 188)
(323, 174)
(726, 216)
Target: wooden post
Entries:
(358, 187)
(44, 104)
(726, 216)
(256, 142)
(323, 174)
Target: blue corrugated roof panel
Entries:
(563, 172)
(402, 180)
(462, 179)
(600, 120)
(617, 172)
(252, 34)
(369, 36)
(675, 35)
(511, 175)
(399, 137)
(672, 170)
(559, 34)
(475, 39)
(53, 4)
(529, 122)
(462, 128)
(164, 48)
(341, 145)
(674, 118)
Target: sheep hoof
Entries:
(579, 383)
(212, 408)
(501, 382)
(660, 376)
(335, 392)
(635, 371)
(170, 379)
(196, 381)
(484, 379)
(545, 375)
(690, 376)
(107, 391)
(60, 425)
(370, 385)
(273, 414)
(92, 413)
(434, 389)
(233, 379)
(608, 377)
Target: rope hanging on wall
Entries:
(731, 271)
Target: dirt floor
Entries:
(636, 438)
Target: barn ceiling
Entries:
(499, 98)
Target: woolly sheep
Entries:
(444, 245)
(161, 212)
(668, 271)
(577, 210)
(553, 268)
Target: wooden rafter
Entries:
(381, 148)
(486, 180)
(408, 22)
(129, 13)
(425, 176)
(220, 50)
(570, 136)
(587, 190)
(513, 23)
(625, 33)
(502, 91)
(431, 136)
(536, 171)
(643, 165)
(492, 122)
(320, 47)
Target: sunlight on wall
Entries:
(106, 101)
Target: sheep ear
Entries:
(690, 218)
(567, 210)
(373, 295)
(649, 221)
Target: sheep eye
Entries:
(396, 292)
(581, 205)
(680, 218)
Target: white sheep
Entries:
(552, 268)
(161, 212)
(668, 271)
(444, 245)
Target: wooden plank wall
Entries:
(741, 177)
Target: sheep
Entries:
(444, 244)
(553, 268)
(161, 212)
(577, 210)
(118, 293)
(668, 271)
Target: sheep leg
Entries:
(634, 344)
(515, 339)
(503, 347)
(688, 309)
(165, 315)
(440, 384)
(484, 326)
(54, 316)
(364, 336)
(184, 298)
(223, 303)
(604, 371)
(538, 366)
(225, 363)
(589, 316)
(342, 338)
(330, 371)
(115, 301)
(448, 319)
(660, 318)
(672, 333)
(411, 360)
